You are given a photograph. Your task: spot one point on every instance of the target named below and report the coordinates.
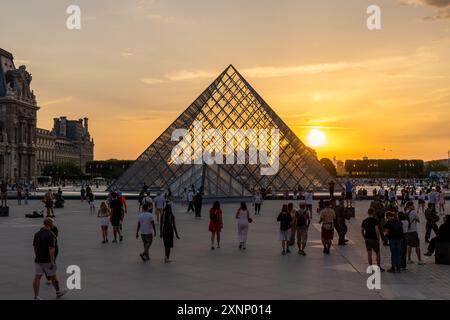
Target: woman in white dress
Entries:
(103, 214)
(243, 216)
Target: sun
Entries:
(316, 138)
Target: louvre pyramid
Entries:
(228, 103)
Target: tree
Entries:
(66, 170)
(329, 166)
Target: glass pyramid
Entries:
(228, 103)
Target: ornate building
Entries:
(46, 148)
(18, 110)
(73, 141)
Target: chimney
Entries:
(86, 125)
(63, 126)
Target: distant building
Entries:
(381, 168)
(73, 141)
(18, 109)
(46, 148)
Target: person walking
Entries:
(48, 203)
(159, 203)
(257, 202)
(341, 218)
(293, 229)
(285, 220)
(331, 185)
(394, 232)
(104, 215)
(349, 193)
(431, 217)
(432, 198)
(302, 221)
(167, 230)
(421, 202)
(215, 223)
(190, 200)
(19, 194)
(148, 201)
(44, 244)
(198, 205)
(27, 195)
(327, 217)
(3, 193)
(90, 200)
(243, 216)
(117, 215)
(371, 232)
(440, 200)
(404, 248)
(146, 225)
(442, 236)
(412, 237)
(309, 196)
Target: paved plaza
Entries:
(115, 271)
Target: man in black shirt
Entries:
(117, 214)
(44, 244)
(443, 235)
(370, 230)
(3, 193)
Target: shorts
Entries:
(412, 239)
(372, 244)
(44, 268)
(421, 201)
(104, 221)
(348, 196)
(115, 221)
(284, 235)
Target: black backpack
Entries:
(301, 220)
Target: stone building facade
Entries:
(46, 148)
(73, 141)
(18, 109)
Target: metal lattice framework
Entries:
(228, 103)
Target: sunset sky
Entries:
(136, 64)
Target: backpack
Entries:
(301, 220)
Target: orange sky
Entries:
(135, 65)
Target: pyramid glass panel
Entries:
(229, 103)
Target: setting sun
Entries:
(316, 138)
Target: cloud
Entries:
(442, 8)
(152, 80)
(128, 52)
(56, 101)
(190, 75)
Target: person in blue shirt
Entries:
(349, 193)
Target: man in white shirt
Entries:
(159, 203)
(190, 199)
(146, 225)
(412, 238)
(309, 201)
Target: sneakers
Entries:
(114, 241)
(240, 245)
(303, 253)
(103, 241)
(167, 260)
(38, 298)
(212, 248)
(428, 254)
(392, 270)
(121, 238)
(59, 294)
(283, 252)
(288, 251)
(143, 257)
(420, 263)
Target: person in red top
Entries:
(124, 205)
(215, 223)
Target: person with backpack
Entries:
(285, 219)
(412, 238)
(215, 223)
(302, 222)
(394, 231)
(341, 217)
(327, 217)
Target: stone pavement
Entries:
(115, 271)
